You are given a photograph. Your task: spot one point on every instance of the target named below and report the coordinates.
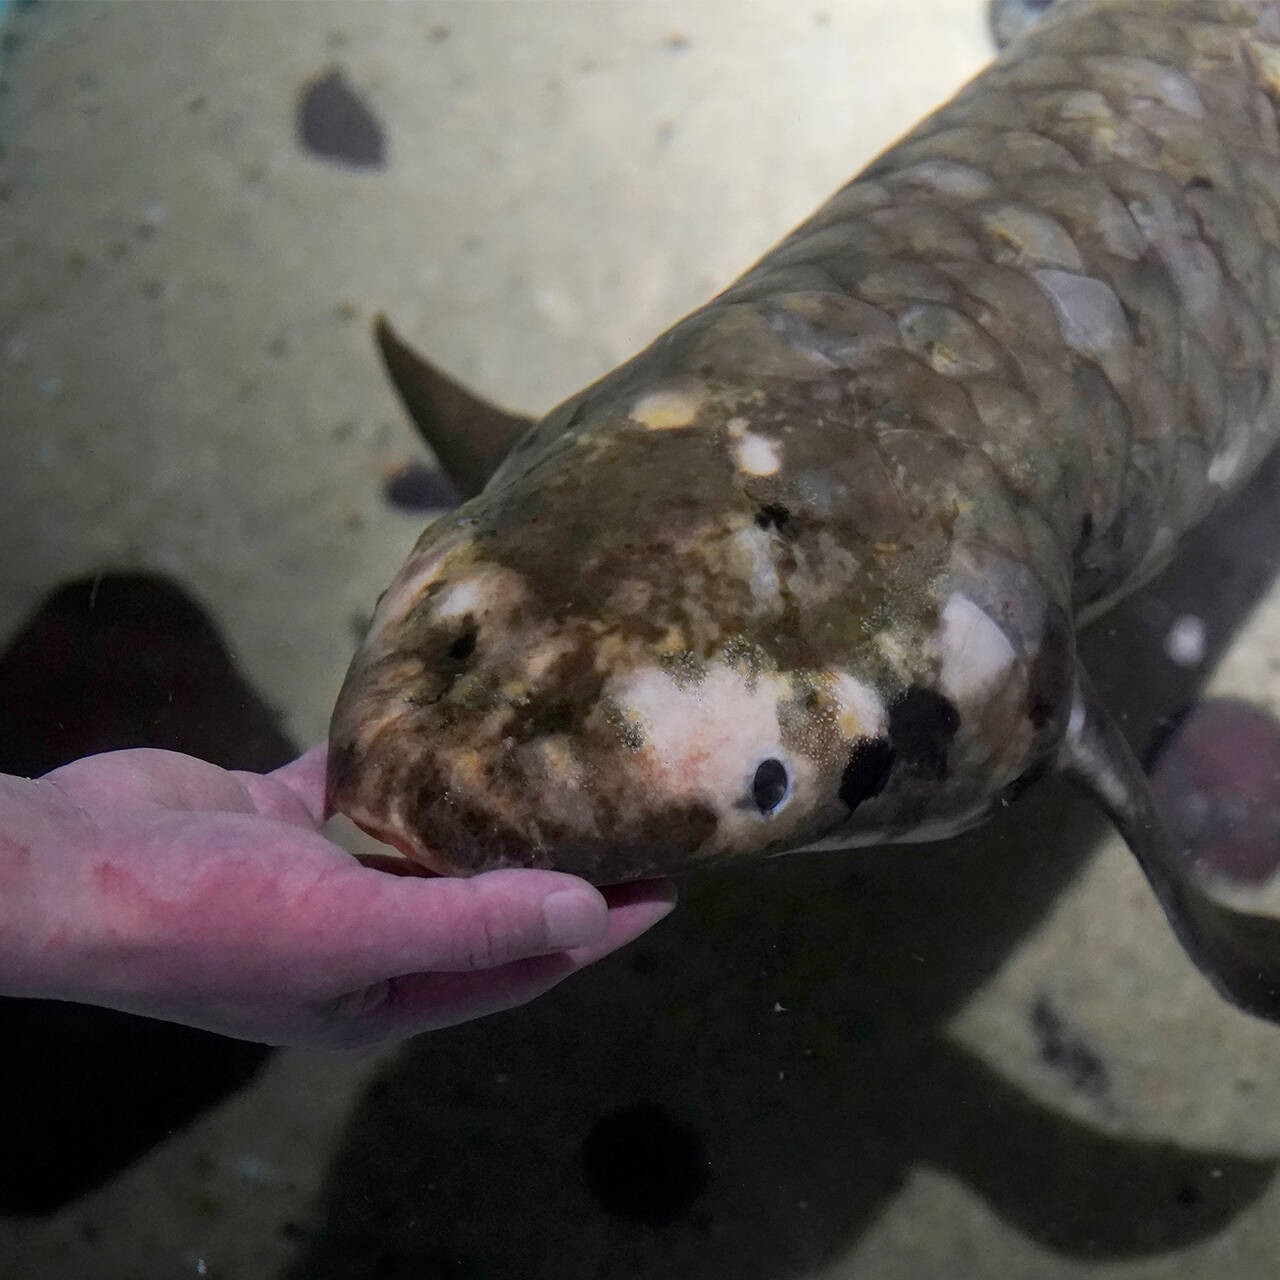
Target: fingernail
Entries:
(574, 919)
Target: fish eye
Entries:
(770, 785)
(867, 771)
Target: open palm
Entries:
(161, 884)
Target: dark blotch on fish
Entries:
(867, 771)
(334, 124)
(922, 724)
(642, 1162)
(1051, 670)
(774, 516)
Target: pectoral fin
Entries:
(1239, 953)
(469, 436)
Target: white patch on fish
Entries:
(758, 455)
(861, 712)
(976, 654)
(669, 407)
(488, 587)
(703, 741)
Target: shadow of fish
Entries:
(806, 573)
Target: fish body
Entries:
(806, 572)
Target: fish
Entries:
(807, 571)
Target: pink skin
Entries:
(160, 884)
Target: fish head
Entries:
(685, 633)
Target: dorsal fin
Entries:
(468, 436)
(1239, 953)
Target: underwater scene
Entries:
(488, 478)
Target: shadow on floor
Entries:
(118, 660)
(742, 1092)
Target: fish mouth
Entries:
(423, 864)
(413, 859)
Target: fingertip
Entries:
(576, 917)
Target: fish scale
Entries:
(806, 571)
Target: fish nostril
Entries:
(770, 785)
(464, 646)
(773, 516)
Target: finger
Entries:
(373, 924)
(633, 909)
(409, 1005)
(304, 777)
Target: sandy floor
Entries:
(989, 1061)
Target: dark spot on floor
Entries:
(1065, 1050)
(415, 487)
(335, 124)
(1217, 785)
(642, 1162)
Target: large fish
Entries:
(806, 572)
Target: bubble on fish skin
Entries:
(671, 407)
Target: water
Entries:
(986, 1059)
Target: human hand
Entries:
(160, 884)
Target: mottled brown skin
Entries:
(855, 505)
